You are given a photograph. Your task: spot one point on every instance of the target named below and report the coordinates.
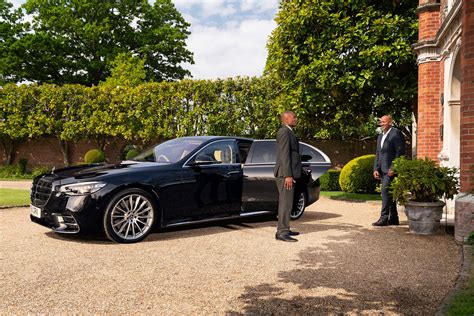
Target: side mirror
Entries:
(306, 158)
(203, 160)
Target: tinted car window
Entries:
(244, 148)
(264, 152)
(219, 152)
(170, 151)
(311, 154)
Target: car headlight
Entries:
(81, 188)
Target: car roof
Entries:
(207, 138)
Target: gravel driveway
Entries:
(341, 264)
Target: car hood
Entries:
(95, 170)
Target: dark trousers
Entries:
(285, 205)
(389, 206)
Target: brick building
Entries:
(445, 118)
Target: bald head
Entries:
(288, 118)
(385, 123)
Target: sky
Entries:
(228, 37)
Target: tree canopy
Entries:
(343, 63)
(75, 41)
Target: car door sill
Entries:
(248, 214)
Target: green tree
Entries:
(16, 105)
(126, 71)
(11, 28)
(343, 63)
(75, 41)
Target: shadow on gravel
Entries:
(304, 225)
(93, 238)
(195, 230)
(371, 271)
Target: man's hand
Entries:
(376, 175)
(390, 173)
(289, 183)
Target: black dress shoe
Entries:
(285, 238)
(380, 223)
(293, 233)
(394, 222)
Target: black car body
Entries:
(181, 181)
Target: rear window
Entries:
(264, 152)
(310, 154)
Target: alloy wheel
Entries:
(132, 217)
(299, 206)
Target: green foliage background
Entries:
(341, 64)
(145, 113)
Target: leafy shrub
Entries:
(94, 156)
(470, 239)
(330, 181)
(13, 172)
(126, 149)
(22, 163)
(131, 153)
(357, 175)
(421, 180)
(37, 171)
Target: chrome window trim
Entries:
(185, 165)
(326, 158)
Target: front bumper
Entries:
(70, 214)
(58, 222)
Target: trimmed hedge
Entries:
(357, 175)
(94, 156)
(330, 181)
(131, 153)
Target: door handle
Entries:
(230, 173)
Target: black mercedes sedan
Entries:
(181, 181)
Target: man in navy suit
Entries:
(390, 145)
(287, 170)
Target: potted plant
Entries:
(419, 185)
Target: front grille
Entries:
(41, 190)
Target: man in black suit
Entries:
(287, 170)
(390, 145)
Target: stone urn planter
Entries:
(424, 217)
(419, 185)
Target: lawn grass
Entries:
(14, 197)
(463, 302)
(339, 195)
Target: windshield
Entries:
(170, 151)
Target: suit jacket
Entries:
(288, 161)
(393, 147)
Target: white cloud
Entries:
(259, 5)
(17, 3)
(236, 49)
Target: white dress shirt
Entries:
(384, 136)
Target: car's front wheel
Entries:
(299, 205)
(130, 216)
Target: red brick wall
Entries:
(430, 86)
(429, 24)
(467, 95)
(429, 108)
(46, 152)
